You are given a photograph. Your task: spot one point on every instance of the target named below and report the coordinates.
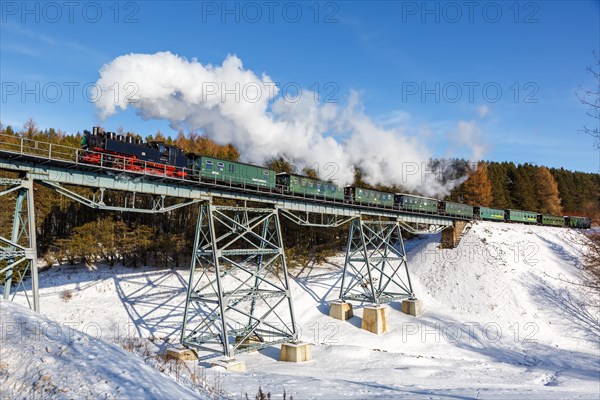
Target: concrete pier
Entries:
(375, 319)
(249, 342)
(451, 236)
(412, 307)
(181, 353)
(295, 352)
(230, 364)
(340, 310)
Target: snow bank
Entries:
(40, 358)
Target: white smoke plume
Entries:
(235, 105)
(468, 133)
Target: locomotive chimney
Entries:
(95, 130)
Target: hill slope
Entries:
(506, 317)
(42, 359)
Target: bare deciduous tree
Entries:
(591, 99)
(591, 257)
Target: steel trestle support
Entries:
(375, 269)
(18, 254)
(238, 296)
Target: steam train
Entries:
(128, 153)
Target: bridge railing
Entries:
(25, 146)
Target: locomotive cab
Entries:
(170, 155)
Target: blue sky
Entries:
(517, 64)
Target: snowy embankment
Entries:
(506, 317)
(40, 358)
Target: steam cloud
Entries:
(234, 105)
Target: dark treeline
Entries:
(71, 232)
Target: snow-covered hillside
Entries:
(506, 317)
(42, 359)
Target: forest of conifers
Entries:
(71, 232)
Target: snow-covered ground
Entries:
(40, 358)
(506, 317)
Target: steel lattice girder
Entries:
(238, 290)
(158, 202)
(375, 269)
(321, 220)
(19, 252)
(421, 228)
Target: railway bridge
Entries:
(238, 293)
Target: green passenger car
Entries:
(458, 209)
(369, 196)
(215, 169)
(310, 187)
(552, 220)
(415, 203)
(578, 222)
(521, 216)
(492, 214)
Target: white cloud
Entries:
(327, 137)
(483, 110)
(395, 118)
(470, 135)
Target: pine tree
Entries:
(477, 189)
(522, 193)
(499, 177)
(280, 164)
(547, 192)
